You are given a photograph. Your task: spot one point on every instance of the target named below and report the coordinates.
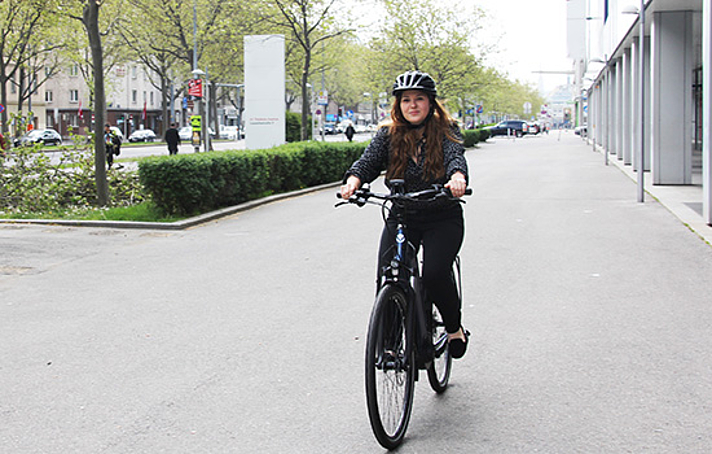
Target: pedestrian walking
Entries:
(172, 139)
(350, 131)
(113, 145)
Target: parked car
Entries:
(330, 128)
(186, 133)
(581, 130)
(142, 135)
(228, 132)
(509, 127)
(534, 128)
(43, 136)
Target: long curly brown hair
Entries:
(405, 139)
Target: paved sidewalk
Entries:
(685, 202)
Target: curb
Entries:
(178, 225)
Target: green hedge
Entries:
(293, 125)
(197, 183)
(472, 137)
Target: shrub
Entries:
(472, 137)
(293, 123)
(194, 183)
(31, 183)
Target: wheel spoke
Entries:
(389, 369)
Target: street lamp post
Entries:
(641, 168)
(640, 11)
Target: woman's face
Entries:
(415, 105)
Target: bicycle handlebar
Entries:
(361, 196)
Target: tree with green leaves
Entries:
(430, 37)
(24, 31)
(161, 36)
(311, 24)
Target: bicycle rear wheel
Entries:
(390, 368)
(441, 366)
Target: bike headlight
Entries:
(395, 268)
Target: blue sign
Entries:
(479, 108)
(349, 114)
(185, 102)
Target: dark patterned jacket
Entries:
(376, 156)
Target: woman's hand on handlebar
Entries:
(456, 185)
(351, 185)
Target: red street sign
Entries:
(195, 87)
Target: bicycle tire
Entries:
(390, 368)
(441, 366)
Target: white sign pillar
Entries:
(264, 91)
(707, 108)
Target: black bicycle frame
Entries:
(404, 272)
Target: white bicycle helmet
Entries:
(415, 80)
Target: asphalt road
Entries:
(590, 315)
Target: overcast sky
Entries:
(533, 38)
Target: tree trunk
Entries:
(3, 97)
(165, 100)
(20, 107)
(305, 97)
(91, 23)
(214, 108)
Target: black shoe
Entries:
(458, 347)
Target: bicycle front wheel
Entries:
(390, 368)
(439, 369)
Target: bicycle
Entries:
(406, 333)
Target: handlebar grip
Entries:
(338, 195)
(468, 191)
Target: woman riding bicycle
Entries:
(422, 144)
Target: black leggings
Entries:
(441, 238)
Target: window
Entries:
(73, 95)
(133, 72)
(13, 85)
(74, 70)
(134, 96)
(48, 96)
(144, 97)
(151, 98)
(605, 11)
